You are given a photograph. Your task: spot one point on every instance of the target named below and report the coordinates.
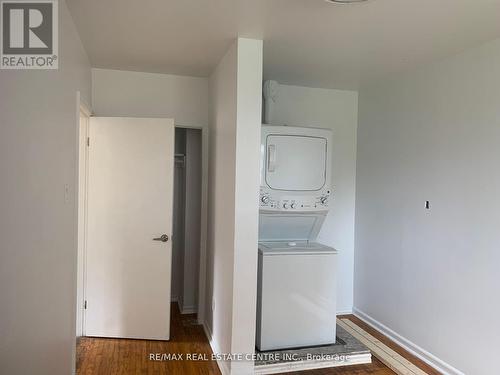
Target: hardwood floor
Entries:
(96, 356)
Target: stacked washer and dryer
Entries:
(296, 305)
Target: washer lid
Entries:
(294, 248)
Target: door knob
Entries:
(162, 238)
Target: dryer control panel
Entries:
(270, 201)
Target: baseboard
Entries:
(215, 349)
(344, 312)
(189, 310)
(409, 346)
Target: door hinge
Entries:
(85, 305)
(88, 141)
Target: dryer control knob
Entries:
(285, 206)
(265, 199)
(323, 200)
(293, 205)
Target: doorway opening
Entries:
(126, 208)
(187, 214)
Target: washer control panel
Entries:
(315, 201)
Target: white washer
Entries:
(296, 304)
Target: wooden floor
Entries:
(119, 356)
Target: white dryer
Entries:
(296, 304)
(295, 169)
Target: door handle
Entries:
(162, 238)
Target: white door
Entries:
(296, 163)
(130, 192)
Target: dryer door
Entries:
(295, 162)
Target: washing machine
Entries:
(296, 292)
(296, 304)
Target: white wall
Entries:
(136, 94)
(432, 276)
(235, 93)
(38, 231)
(336, 110)
(221, 203)
(249, 104)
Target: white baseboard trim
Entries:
(215, 349)
(344, 312)
(189, 310)
(409, 346)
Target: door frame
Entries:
(81, 207)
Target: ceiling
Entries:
(306, 42)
